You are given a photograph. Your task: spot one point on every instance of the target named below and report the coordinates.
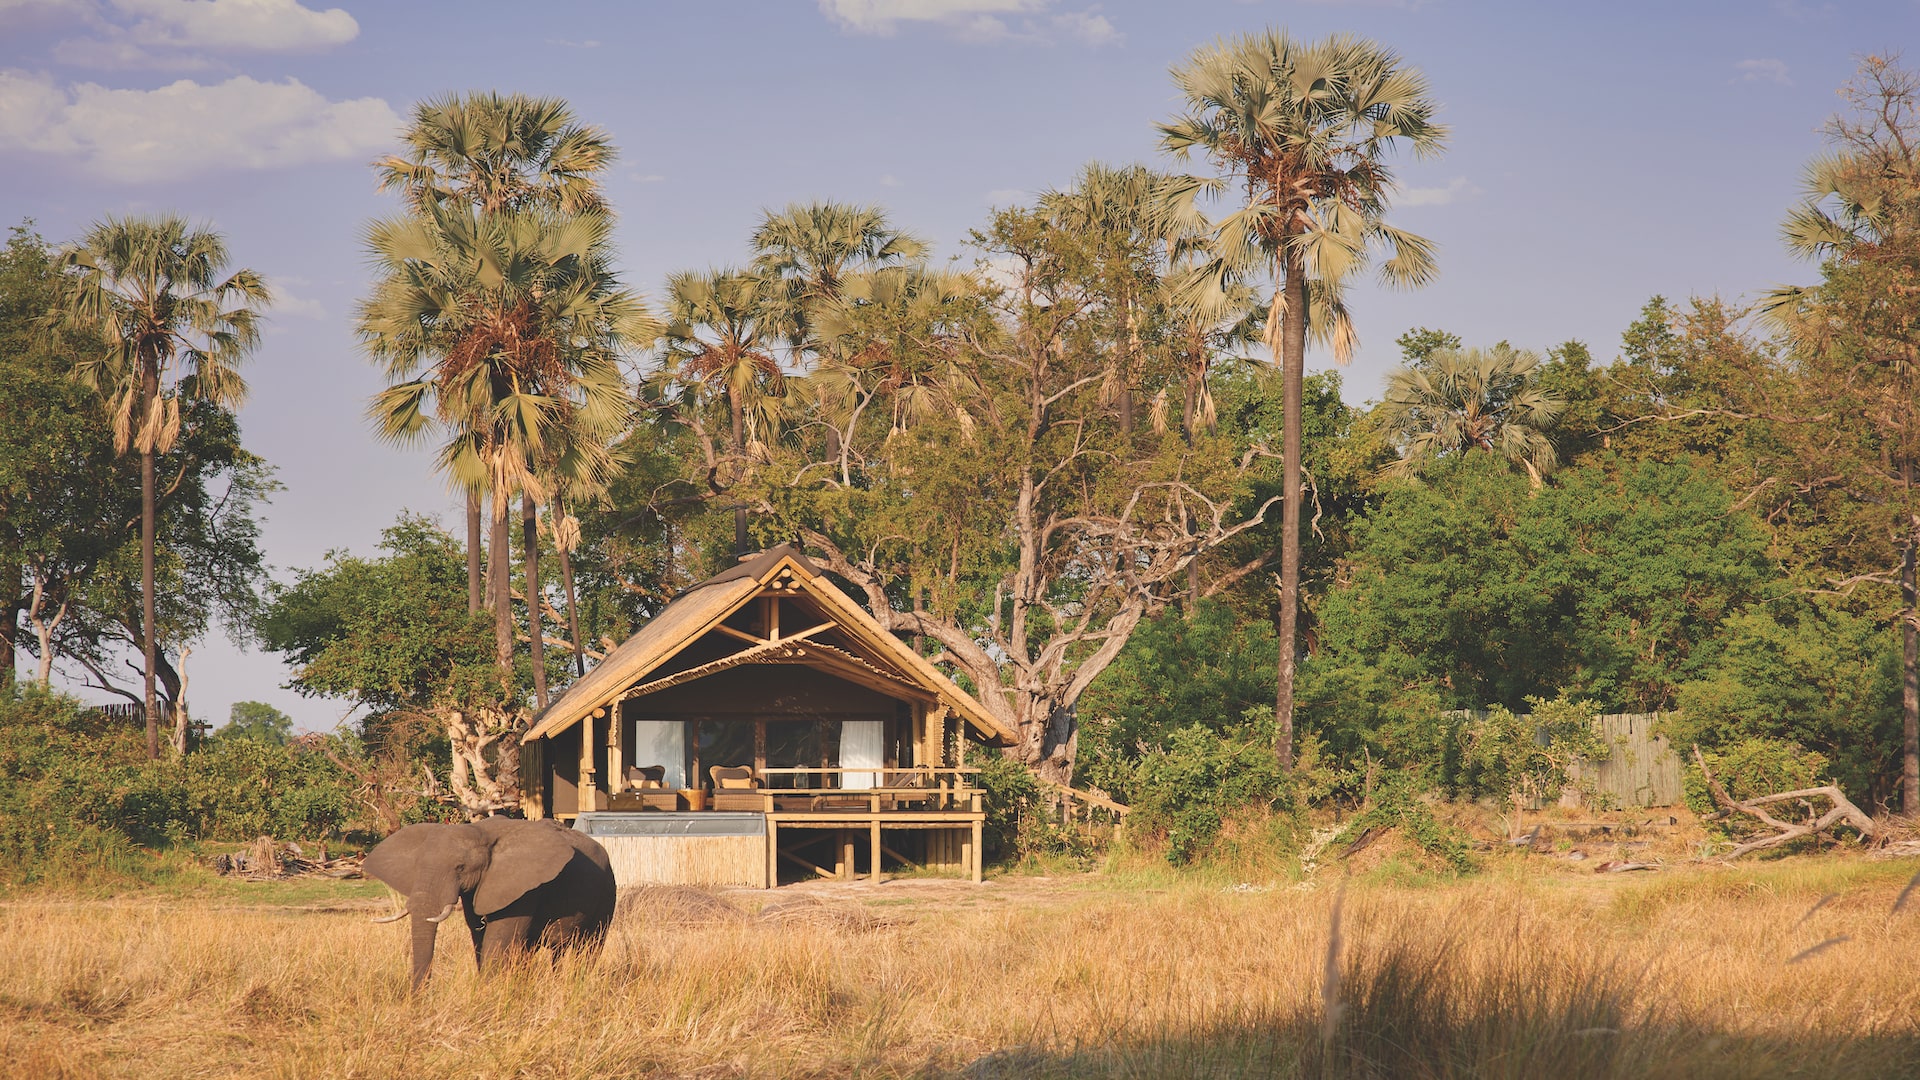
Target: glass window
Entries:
(790, 744)
(724, 742)
(662, 742)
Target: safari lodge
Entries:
(763, 727)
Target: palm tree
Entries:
(170, 326)
(1305, 130)
(720, 331)
(1455, 401)
(499, 152)
(1127, 215)
(507, 328)
(494, 153)
(810, 248)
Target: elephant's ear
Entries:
(397, 861)
(526, 855)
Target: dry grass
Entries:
(1684, 974)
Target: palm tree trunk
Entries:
(474, 602)
(739, 447)
(530, 551)
(1293, 360)
(149, 390)
(499, 575)
(573, 605)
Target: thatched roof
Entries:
(848, 644)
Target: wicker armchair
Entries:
(736, 788)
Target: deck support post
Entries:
(586, 799)
(773, 853)
(874, 836)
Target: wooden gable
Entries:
(775, 608)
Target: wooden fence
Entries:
(1643, 771)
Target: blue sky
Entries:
(1600, 153)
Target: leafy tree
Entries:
(1859, 331)
(53, 456)
(1802, 670)
(1455, 401)
(1570, 377)
(1307, 129)
(984, 497)
(256, 721)
(1206, 668)
(393, 636)
(1475, 590)
(167, 329)
(1419, 343)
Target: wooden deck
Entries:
(947, 821)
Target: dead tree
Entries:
(1842, 812)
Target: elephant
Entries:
(522, 884)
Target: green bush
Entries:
(1753, 767)
(1396, 803)
(1185, 788)
(76, 789)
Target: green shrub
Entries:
(1185, 788)
(1753, 767)
(76, 789)
(1396, 802)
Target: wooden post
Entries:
(979, 853)
(587, 800)
(533, 779)
(616, 761)
(845, 859)
(773, 853)
(875, 837)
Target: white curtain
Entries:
(861, 747)
(662, 742)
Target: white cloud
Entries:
(118, 52)
(889, 180)
(883, 16)
(285, 302)
(267, 25)
(1088, 27)
(172, 34)
(1766, 69)
(1459, 188)
(1006, 197)
(185, 128)
(980, 21)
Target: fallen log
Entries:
(264, 860)
(1842, 812)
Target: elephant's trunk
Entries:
(424, 932)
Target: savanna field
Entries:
(1697, 971)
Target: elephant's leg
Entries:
(476, 928)
(507, 935)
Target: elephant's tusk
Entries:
(444, 912)
(392, 918)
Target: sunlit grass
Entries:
(1684, 973)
